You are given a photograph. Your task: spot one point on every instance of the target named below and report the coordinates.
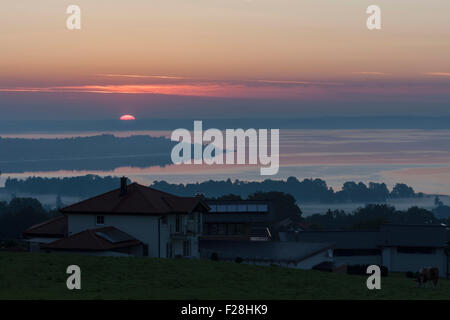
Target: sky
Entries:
(215, 58)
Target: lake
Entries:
(420, 158)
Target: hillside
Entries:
(42, 276)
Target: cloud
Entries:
(284, 81)
(140, 76)
(370, 73)
(438, 74)
(210, 89)
(278, 89)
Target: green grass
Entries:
(43, 276)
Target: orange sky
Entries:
(224, 39)
(283, 49)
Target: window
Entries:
(213, 208)
(242, 208)
(187, 248)
(212, 228)
(222, 208)
(191, 216)
(416, 250)
(222, 228)
(178, 223)
(100, 220)
(240, 228)
(232, 229)
(262, 208)
(252, 208)
(164, 219)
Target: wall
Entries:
(92, 253)
(306, 264)
(143, 228)
(352, 260)
(403, 262)
(314, 260)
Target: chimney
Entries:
(123, 186)
(199, 194)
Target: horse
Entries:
(426, 274)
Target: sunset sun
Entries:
(126, 117)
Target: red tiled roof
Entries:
(53, 228)
(91, 240)
(137, 200)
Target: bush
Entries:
(361, 269)
(10, 244)
(214, 256)
(412, 275)
(238, 260)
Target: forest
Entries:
(306, 191)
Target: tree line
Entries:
(370, 217)
(81, 186)
(21, 213)
(307, 190)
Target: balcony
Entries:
(191, 226)
(185, 231)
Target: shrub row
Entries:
(361, 269)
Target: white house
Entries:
(401, 248)
(131, 216)
(410, 247)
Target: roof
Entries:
(241, 201)
(138, 200)
(240, 211)
(40, 240)
(101, 239)
(432, 235)
(53, 228)
(263, 250)
(389, 235)
(343, 239)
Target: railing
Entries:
(191, 226)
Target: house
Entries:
(107, 241)
(299, 255)
(408, 248)
(164, 225)
(401, 248)
(238, 220)
(46, 232)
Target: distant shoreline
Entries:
(310, 123)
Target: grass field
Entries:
(43, 276)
